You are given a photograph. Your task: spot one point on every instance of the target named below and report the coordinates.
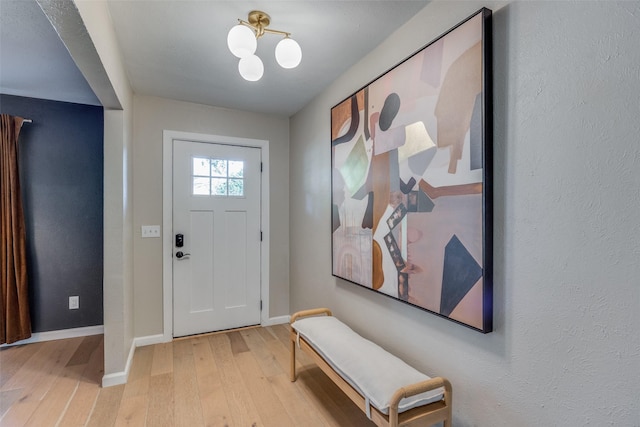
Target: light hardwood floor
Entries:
(236, 378)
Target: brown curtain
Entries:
(15, 323)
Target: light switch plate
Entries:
(150, 231)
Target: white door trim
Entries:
(167, 219)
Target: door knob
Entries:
(181, 255)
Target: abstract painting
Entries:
(411, 162)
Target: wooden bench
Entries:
(310, 337)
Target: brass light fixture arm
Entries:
(258, 22)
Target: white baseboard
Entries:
(114, 379)
(59, 335)
(276, 320)
(149, 340)
(118, 378)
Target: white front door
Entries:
(216, 242)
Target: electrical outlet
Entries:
(150, 231)
(74, 303)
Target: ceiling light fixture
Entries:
(243, 41)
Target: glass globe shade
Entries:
(241, 41)
(288, 53)
(251, 68)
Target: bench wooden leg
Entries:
(292, 343)
(448, 395)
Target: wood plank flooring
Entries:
(235, 378)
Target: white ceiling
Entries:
(177, 49)
(33, 61)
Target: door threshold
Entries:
(224, 331)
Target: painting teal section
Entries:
(460, 273)
(354, 170)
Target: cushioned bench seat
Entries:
(389, 391)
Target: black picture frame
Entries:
(412, 179)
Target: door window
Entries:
(217, 177)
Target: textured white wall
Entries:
(566, 345)
(109, 80)
(152, 115)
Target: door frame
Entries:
(168, 137)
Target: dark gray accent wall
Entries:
(61, 168)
